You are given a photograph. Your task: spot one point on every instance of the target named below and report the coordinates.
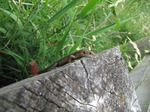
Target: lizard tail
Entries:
(34, 68)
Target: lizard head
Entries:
(86, 53)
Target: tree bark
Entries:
(100, 84)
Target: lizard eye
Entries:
(90, 53)
(84, 52)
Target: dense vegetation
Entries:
(46, 30)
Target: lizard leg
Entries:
(71, 58)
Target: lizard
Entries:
(69, 58)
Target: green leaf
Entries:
(88, 7)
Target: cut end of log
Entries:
(100, 84)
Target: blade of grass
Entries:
(145, 78)
(42, 51)
(32, 12)
(102, 38)
(46, 2)
(14, 17)
(79, 41)
(63, 40)
(4, 32)
(89, 20)
(100, 30)
(112, 8)
(13, 69)
(78, 28)
(116, 17)
(61, 12)
(88, 7)
(18, 76)
(106, 28)
(78, 44)
(11, 53)
(18, 58)
(59, 48)
(8, 77)
(71, 14)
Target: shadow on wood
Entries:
(100, 84)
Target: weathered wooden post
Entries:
(100, 84)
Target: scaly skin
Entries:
(76, 55)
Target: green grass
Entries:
(46, 30)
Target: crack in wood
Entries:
(89, 87)
(71, 97)
(66, 93)
(21, 106)
(79, 101)
(53, 93)
(35, 110)
(85, 68)
(48, 100)
(55, 83)
(18, 105)
(78, 84)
